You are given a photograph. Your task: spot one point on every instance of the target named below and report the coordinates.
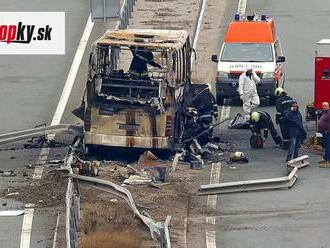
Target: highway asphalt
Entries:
(31, 86)
(298, 217)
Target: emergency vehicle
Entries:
(250, 41)
(321, 78)
(322, 73)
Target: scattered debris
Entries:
(56, 161)
(176, 158)
(158, 185)
(11, 194)
(30, 166)
(196, 162)
(82, 167)
(315, 143)
(238, 122)
(134, 171)
(50, 189)
(154, 168)
(147, 159)
(9, 173)
(137, 180)
(238, 157)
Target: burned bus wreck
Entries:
(139, 92)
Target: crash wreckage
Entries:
(157, 109)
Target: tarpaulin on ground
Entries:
(238, 122)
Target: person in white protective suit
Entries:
(247, 90)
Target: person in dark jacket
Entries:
(261, 120)
(141, 57)
(282, 104)
(297, 132)
(324, 128)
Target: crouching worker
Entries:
(297, 132)
(261, 120)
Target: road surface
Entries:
(285, 218)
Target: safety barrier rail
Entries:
(125, 13)
(39, 131)
(250, 185)
(72, 200)
(158, 230)
(299, 162)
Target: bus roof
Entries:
(147, 38)
(251, 32)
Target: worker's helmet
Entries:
(255, 116)
(279, 91)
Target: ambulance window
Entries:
(247, 52)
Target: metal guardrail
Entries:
(250, 185)
(72, 200)
(165, 241)
(299, 162)
(125, 13)
(39, 131)
(158, 230)
(241, 7)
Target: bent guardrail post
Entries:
(166, 239)
(249, 185)
(299, 162)
(125, 13)
(72, 201)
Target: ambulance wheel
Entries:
(220, 100)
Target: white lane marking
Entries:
(55, 232)
(65, 94)
(198, 29)
(210, 239)
(215, 172)
(210, 220)
(11, 213)
(242, 7)
(185, 232)
(215, 177)
(38, 170)
(225, 113)
(73, 73)
(27, 226)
